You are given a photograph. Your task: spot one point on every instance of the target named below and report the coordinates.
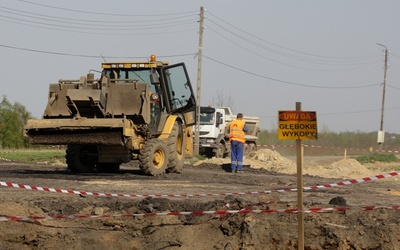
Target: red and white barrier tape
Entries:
(338, 184)
(216, 212)
(273, 146)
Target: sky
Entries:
(260, 57)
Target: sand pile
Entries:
(272, 161)
(346, 168)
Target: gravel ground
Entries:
(275, 228)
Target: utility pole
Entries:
(199, 62)
(381, 133)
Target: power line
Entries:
(343, 113)
(236, 68)
(285, 48)
(187, 54)
(145, 24)
(103, 28)
(101, 22)
(398, 57)
(154, 33)
(288, 82)
(91, 56)
(393, 87)
(276, 61)
(103, 13)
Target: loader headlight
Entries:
(155, 97)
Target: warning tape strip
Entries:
(338, 184)
(325, 147)
(216, 212)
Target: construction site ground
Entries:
(361, 214)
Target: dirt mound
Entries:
(272, 161)
(18, 209)
(346, 168)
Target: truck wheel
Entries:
(153, 157)
(253, 148)
(81, 158)
(108, 167)
(220, 151)
(209, 152)
(249, 148)
(246, 150)
(177, 146)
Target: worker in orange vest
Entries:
(237, 131)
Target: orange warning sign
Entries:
(297, 116)
(297, 125)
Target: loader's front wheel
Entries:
(177, 147)
(153, 157)
(81, 158)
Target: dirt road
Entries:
(265, 220)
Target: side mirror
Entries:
(154, 77)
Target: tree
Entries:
(23, 114)
(12, 120)
(222, 99)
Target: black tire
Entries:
(177, 147)
(81, 158)
(108, 167)
(219, 152)
(153, 157)
(209, 152)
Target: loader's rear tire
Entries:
(153, 157)
(81, 158)
(177, 147)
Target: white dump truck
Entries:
(214, 131)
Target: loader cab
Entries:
(169, 90)
(180, 99)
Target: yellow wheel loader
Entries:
(134, 111)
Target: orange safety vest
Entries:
(236, 131)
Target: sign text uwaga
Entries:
(297, 125)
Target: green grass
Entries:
(34, 155)
(377, 157)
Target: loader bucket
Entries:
(77, 131)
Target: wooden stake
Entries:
(300, 214)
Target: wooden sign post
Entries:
(298, 125)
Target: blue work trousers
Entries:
(237, 155)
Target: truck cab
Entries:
(214, 123)
(214, 131)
